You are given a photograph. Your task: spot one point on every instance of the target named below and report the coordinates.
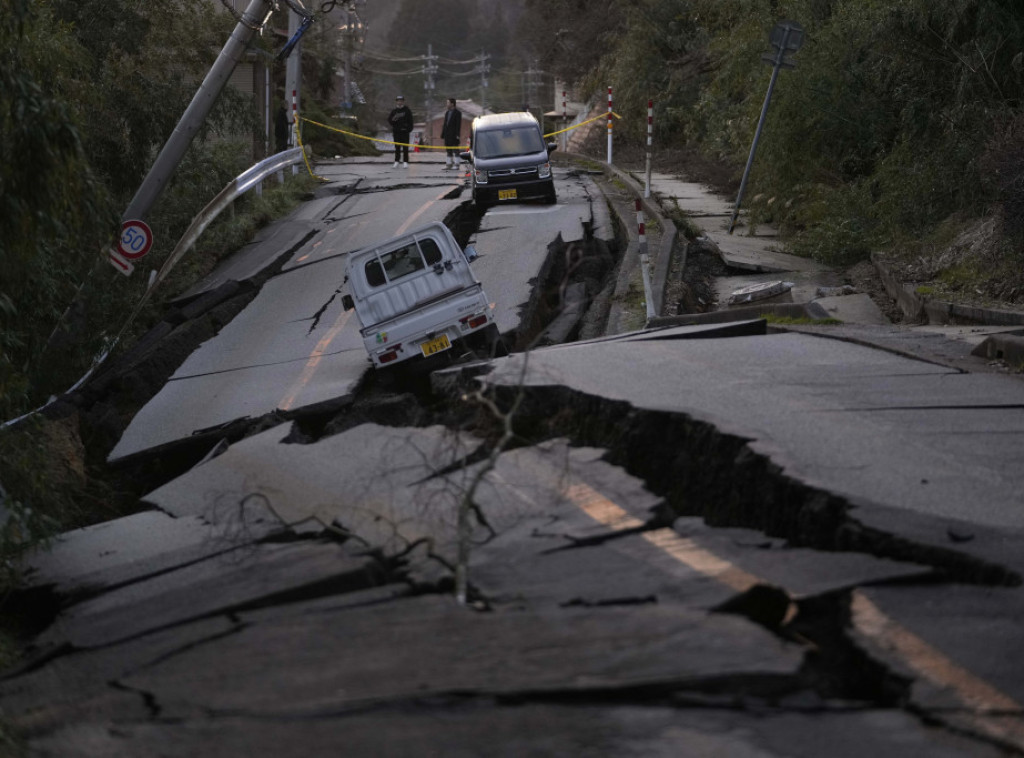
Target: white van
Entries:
(416, 296)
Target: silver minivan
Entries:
(510, 159)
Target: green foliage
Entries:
(34, 493)
(898, 114)
(776, 320)
(89, 92)
(53, 211)
(328, 143)
(660, 52)
(445, 25)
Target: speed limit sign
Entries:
(136, 239)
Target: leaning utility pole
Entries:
(787, 37)
(202, 103)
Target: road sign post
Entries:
(786, 37)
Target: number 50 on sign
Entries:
(136, 239)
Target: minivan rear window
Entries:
(503, 143)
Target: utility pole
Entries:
(349, 15)
(530, 85)
(787, 37)
(293, 78)
(484, 68)
(174, 149)
(429, 69)
(353, 36)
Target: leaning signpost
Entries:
(787, 37)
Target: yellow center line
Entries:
(419, 212)
(321, 347)
(684, 550)
(996, 714)
(314, 360)
(942, 672)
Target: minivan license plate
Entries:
(436, 345)
(509, 194)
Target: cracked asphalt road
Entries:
(697, 542)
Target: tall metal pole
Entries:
(191, 121)
(781, 40)
(429, 85)
(753, 146)
(349, 44)
(293, 80)
(484, 68)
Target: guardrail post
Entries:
(645, 261)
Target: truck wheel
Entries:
(495, 343)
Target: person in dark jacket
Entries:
(400, 120)
(281, 130)
(451, 133)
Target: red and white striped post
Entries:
(645, 261)
(609, 125)
(650, 131)
(565, 125)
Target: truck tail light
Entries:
(390, 355)
(472, 322)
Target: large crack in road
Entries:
(706, 488)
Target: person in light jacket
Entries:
(451, 133)
(400, 120)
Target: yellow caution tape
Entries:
(582, 123)
(298, 138)
(446, 147)
(387, 142)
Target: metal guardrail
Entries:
(235, 189)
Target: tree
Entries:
(53, 210)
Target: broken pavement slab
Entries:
(788, 393)
(434, 647)
(474, 728)
(221, 584)
(369, 482)
(113, 553)
(961, 647)
(857, 308)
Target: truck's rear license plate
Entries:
(436, 345)
(507, 194)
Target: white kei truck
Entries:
(416, 297)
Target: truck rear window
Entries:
(402, 262)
